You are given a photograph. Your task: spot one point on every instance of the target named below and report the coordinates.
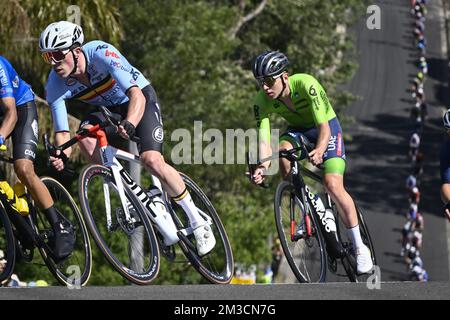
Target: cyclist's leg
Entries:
(25, 140)
(334, 164)
(150, 149)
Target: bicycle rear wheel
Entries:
(306, 256)
(129, 246)
(218, 265)
(350, 261)
(75, 270)
(7, 247)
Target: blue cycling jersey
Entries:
(12, 86)
(110, 74)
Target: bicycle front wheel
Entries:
(129, 245)
(76, 269)
(218, 265)
(306, 253)
(7, 247)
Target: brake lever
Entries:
(52, 151)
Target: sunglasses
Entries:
(54, 56)
(268, 81)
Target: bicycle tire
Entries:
(119, 258)
(217, 266)
(349, 261)
(293, 251)
(7, 245)
(76, 269)
(367, 240)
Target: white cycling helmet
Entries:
(60, 35)
(446, 119)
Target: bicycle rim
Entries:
(305, 256)
(218, 265)
(76, 269)
(129, 246)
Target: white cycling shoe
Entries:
(364, 261)
(205, 239)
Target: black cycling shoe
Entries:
(63, 241)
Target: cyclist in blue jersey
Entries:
(19, 119)
(445, 166)
(98, 74)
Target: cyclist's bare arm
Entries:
(136, 106)
(265, 151)
(316, 155)
(8, 106)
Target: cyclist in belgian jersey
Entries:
(19, 119)
(98, 74)
(303, 103)
(445, 166)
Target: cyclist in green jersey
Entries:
(303, 103)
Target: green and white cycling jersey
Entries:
(312, 106)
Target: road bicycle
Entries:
(312, 235)
(132, 225)
(20, 235)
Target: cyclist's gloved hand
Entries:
(259, 175)
(58, 161)
(127, 129)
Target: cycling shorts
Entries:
(334, 156)
(25, 135)
(149, 130)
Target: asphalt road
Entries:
(340, 291)
(378, 155)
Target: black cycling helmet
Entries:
(269, 64)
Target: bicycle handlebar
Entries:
(251, 170)
(114, 121)
(290, 155)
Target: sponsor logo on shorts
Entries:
(339, 144)
(158, 134)
(332, 143)
(30, 153)
(35, 127)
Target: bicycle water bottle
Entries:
(21, 201)
(161, 217)
(329, 229)
(18, 204)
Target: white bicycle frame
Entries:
(109, 156)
